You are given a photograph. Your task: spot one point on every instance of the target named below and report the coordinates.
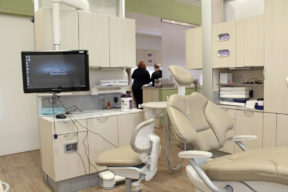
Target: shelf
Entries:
(241, 85)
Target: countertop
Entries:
(239, 108)
(165, 88)
(92, 114)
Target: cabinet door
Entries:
(70, 164)
(269, 130)
(94, 36)
(194, 48)
(44, 29)
(282, 131)
(249, 123)
(250, 42)
(223, 39)
(103, 135)
(126, 124)
(122, 42)
(276, 57)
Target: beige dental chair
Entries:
(137, 161)
(198, 121)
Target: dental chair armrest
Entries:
(195, 154)
(242, 138)
(239, 138)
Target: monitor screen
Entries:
(55, 71)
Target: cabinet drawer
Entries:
(68, 126)
(282, 131)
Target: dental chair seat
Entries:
(120, 157)
(268, 164)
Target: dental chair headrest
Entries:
(181, 75)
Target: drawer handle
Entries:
(223, 53)
(223, 37)
(248, 112)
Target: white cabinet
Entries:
(224, 45)
(229, 147)
(44, 29)
(111, 41)
(269, 130)
(105, 132)
(250, 42)
(194, 48)
(250, 123)
(103, 135)
(122, 42)
(276, 57)
(126, 125)
(282, 131)
(94, 36)
(56, 162)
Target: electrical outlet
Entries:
(70, 147)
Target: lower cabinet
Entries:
(249, 123)
(126, 125)
(244, 123)
(61, 160)
(102, 135)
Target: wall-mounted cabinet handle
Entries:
(223, 53)
(223, 37)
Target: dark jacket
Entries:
(156, 75)
(141, 77)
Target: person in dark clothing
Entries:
(156, 74)
(141, 77)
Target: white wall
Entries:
(238, 9)
(18, 111)
(173, 49)
(148, 42)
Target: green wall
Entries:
(168, 9)
(19, 7)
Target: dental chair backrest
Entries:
(198, 121)
(146, 143)
(140, 141)
(182, 76)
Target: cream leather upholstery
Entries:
(269, 164)
(120, 157)
(181, 75)
(198, 121)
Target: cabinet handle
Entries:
(223, 37)
(223, 53)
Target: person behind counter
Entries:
(141, 77)
(156, 74)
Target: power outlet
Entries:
(70, 147)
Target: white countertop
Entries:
(93, 114)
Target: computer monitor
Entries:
(55, 71)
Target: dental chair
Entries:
(198, 121)
(137, 161)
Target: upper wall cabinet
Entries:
(224, 48)
(122, 42)
(111, 41)
(44, 29)
(250, 42)
(194, 48)
(94, 36)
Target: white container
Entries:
(126, 102)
